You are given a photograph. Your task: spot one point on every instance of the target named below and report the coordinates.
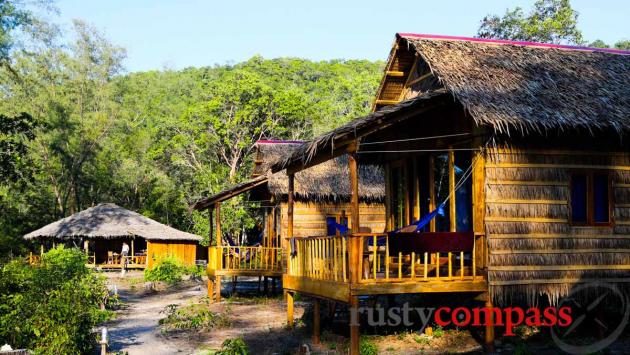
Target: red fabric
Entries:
(430, 242)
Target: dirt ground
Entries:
(261, 322)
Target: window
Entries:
(590, 198)
(463, 195)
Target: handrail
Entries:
(245, 258)
(323, 258)
(331, 258)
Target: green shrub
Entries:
(168, 269)
(367, 347)
(234, 346)
(52, 307)
(191, 317)
(438, 331)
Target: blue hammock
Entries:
(422, 222)
(418, 225)
(340, 227)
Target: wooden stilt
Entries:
(289, 299)
(316, 319)
(210, 290)
(234, 279)
(266, 285)
(218, 288)
(354, 325)
(489, 327)
(273, 285)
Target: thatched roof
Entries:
(329, 181)
(530, 86)
(504, 85)
(108, 220)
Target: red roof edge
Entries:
(277, 141)
(516, 43)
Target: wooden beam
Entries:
(560, 281)
(559, 166)
(528, 183)
(416, 190)
(354, 325)
(290, 319)
(290, 206)
(560, 251)
(395, 73)
(526, 219)
(557, 267)
(217, 207)
(316, 320)
(452, 203)
(489, 335)
(528, 202)
(432, 205)
(354, 187)
(419, 79)
(559, 236)
(387, 102)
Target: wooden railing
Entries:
(375, 259)
(245, 258)
(33, 259)
(324, 258)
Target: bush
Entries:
(234, 346)
(191, 317)
(367, 347)
(168, 269)
(51, 308)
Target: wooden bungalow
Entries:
(101, 231)
(320, 196)
(525, 147)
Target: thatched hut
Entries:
(321, 196)
(102, 230)
(525, 147)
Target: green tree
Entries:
(550, 21)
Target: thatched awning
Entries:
(329, 181)
(108, 220)
(530, 86)
(325, 145)
(229, 193)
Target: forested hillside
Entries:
(77, 130)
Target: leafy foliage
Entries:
(550, 21)
(367, 347)
(156, 141)
(52, 307)
(168, 269)
(195, 317)
(234, 346)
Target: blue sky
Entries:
(176, 34)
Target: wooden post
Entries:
(217, 207)
(354, 186)
(354, 325)
(290, 202)
(451, 189)
(133, 250)
(489, 327)
(219, 256)
(432, 202)
(289, 298)
(416, 190)
(210, 289)
(41, 248)
(316, 319)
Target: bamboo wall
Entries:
(309, 218)
(533, 247)
(186, 251)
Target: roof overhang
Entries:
(229, 193)
(344, 139)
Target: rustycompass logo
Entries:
(589, 318)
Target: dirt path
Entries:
(135, 329)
